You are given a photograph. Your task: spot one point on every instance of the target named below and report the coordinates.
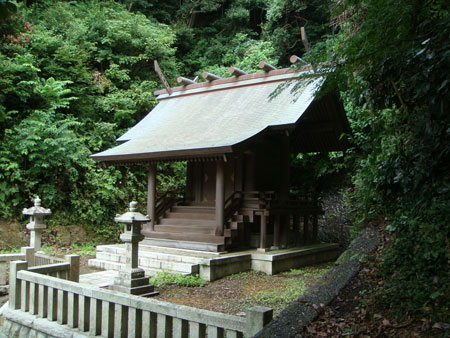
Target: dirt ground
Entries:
(357, 312)
(236, 293)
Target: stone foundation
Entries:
(216, 268)
(15, 323)
(274, 262)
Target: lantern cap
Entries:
(132, 215)
(36, 209)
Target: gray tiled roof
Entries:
(214, 117)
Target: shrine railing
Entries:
(165, 202)
(106, 313)
(300, 212)
(232, 205)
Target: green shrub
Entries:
(165, 278)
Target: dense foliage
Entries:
(393, 59)
(75, 75)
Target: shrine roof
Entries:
(213, 118)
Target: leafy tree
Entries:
(284, 19)
(392, 58)
(73, 76)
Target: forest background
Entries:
(74, 75)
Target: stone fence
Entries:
(38, 259)
(93, 311)
(26, 254)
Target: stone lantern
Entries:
(36, 225)
(132, 279)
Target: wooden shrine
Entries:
(237, 138)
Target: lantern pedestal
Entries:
(36, 225)
(132, 279)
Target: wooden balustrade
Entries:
(106, 313)
(165, 202)
(304, 209)
(232, 204)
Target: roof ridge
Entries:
(234, 79)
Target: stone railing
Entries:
(99, 312)
(43, 259)
(26, 254)
(39, 259)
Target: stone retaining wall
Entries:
(294, 317)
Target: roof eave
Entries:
(165, 156)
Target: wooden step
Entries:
(198, 222)
(233, 233)
(250, 204)
(236, 225)
(182, 236)
(194, 209)
(191, 215)
(184, 228)
(240, 218)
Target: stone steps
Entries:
(108, 265)
(184, 245)
(113, 258)
(180, 255)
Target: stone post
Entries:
(28, 252)
(132, 279)
(36, 225)
(257, 318)
(74, 261)
(15, 287)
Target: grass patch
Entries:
(10, 251)
(86, 249)
(289, 291)
(308, 271)
(165, 278)
(50, 250)
(241, 291)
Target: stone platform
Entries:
(211, 266)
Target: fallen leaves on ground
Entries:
(356, 313)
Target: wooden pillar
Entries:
(198, 181)
(296, 222)
(315, 228)
(189, 182)
(284, 187)
(220, 197)
(306, 228)
(276, 233)
(296, 226)
(151, 195)
(263, 234)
